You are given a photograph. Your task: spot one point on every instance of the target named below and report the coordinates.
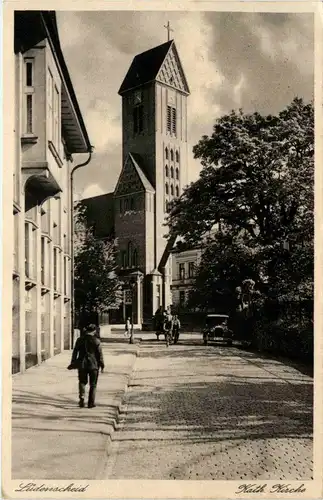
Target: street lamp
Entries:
(134, 280)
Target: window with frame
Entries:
(171, 120)
(42, 259)
(166, 188)
(172, 172)
(55, 269)
(123, 259)
(135, 258)
(172, 190)
(177, 174)
(181, 271)
(138, 119)
(53, 109)
(166, 153)
(129, 254)
(177, 191)
(65, 276)
(29, 92)
(191, 269)
(177, 156)
(166, 171)
(16, 241)
(56, 117)
(171, 155)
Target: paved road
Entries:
(215, 412)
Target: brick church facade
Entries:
(154, 96)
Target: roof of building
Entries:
(136, 161)
(31, 27)
(100, 212)
(145, 66)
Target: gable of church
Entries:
(171, 72)
(132, 179)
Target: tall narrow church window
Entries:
(177, 173)
(166, 153)
(172, 155)
(135, 258)
(172, 190)
(126, 204)
(166, 188)
(124, 258)
(177, 191)
(121, 205)
(138, 119)
(171, 120)
(129, 254)
(177, 156)
(172, 172)
(174, 121)
(132, 203)
(166, 171)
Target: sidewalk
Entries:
(52, 438)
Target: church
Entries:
(154, 96)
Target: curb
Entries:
(100, 474)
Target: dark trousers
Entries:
(84, 376)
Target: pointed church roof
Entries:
(145, 67)
(133, 160)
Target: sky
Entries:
(254, 61)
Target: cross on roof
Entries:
(169, 29)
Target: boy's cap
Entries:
(90, 328)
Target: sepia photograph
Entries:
(161, 207)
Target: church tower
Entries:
(154, 152)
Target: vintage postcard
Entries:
(162, 219)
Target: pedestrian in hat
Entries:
(87, 357)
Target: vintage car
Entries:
(216, 328)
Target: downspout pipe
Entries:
(80, 165)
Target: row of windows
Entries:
(126, 204)
(181, 270)
(138, 120)
(30, 261)
(129, 257)
(170, 154)
(171, 172)
(53, 104)
(171, 190)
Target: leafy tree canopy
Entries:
(257, 177)
(97, 287)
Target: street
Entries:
(212, 412)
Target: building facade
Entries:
(154, 96)
(184, 266)
(49, 129)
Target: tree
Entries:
(257, 177)
(257, 181)
(97, 287)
